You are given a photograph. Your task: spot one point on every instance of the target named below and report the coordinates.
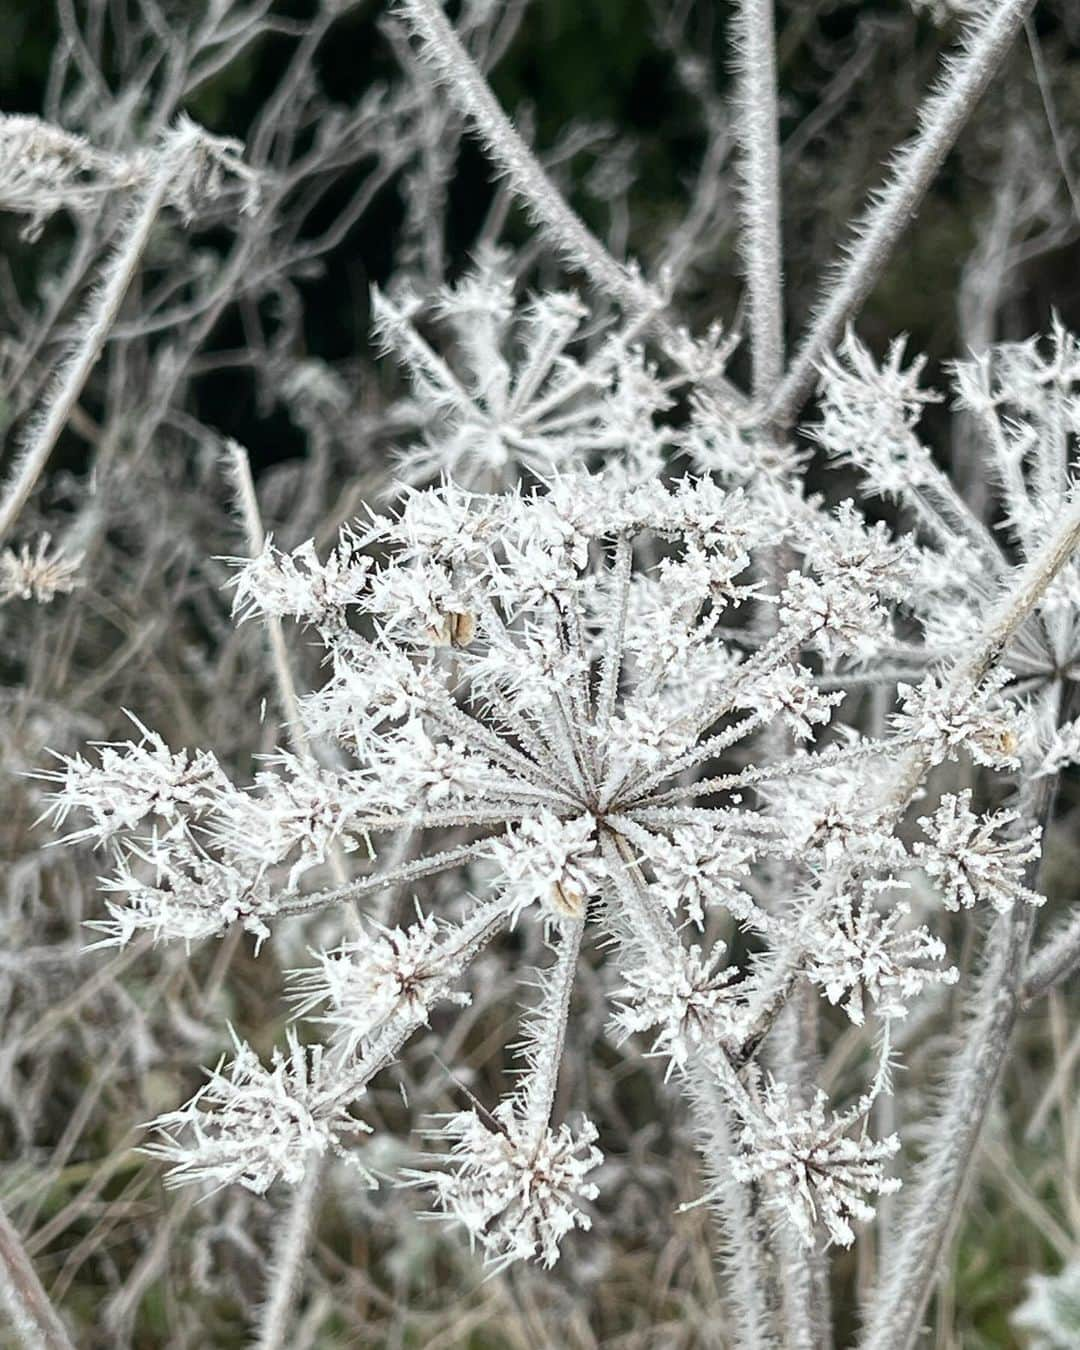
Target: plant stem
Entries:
(757, 132)
(962, 83)
(290, 1251)
(36, 1322)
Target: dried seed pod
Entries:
(567, 900)
(453, 630)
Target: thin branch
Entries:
(1046, 93)
(285, 1277)
(1054, 962)
(240, 468)
(33, 1317)
(548, 1027)
(92, 330)
(962, 84)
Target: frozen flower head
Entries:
(816, 1167)
(254, 1124)
(869, 413)
(550, 861)
(945, 718)
(683, 1008)
(558, 699)
(201, 168)
(703, 868)
(723, 440)
(37, 573)
(971, 859)
(297, 585)
(862, 956)
(517, 1191)
(499, 391)
(170, 888)
(502, 649)
(133, 782)
(1021, 401)
(360, 986)
(830, 820)
(44, 169)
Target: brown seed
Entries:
(462, 629)
(453, 630)
(567, 900)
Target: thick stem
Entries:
(752, 1293)
(466, 85)
(926, 1221)
(613, 650)
(804, 1281)
(757, 132)
(457, 71)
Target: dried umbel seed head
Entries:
(517, 1191)
(39, 574)
(44, 168)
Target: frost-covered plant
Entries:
(603, 684)
(516, 1193)
(516, 399)
(518, 670)
(814, 1169)
(1023, 399)
(254, 1124)
(514, 671)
